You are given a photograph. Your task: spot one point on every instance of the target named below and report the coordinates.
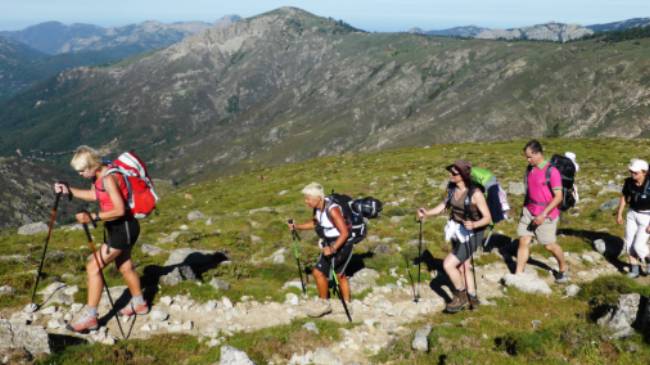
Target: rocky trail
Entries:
(381, 316)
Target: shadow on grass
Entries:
(613, 244)
(59, 343)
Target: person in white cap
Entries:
(635, 193)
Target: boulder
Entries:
(34, 339)
(527, 282)
(600, 245)
(619, 320)
(32, 228)
(278, 256)
(233, 356)
(7, 290)
(420, 340)
(186, 263)
(610, 204)
(151, 250)
(195, 215)
(363, 279)
(219, 284)
(572, 290)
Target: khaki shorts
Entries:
(545, 234)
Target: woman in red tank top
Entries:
(122, 232)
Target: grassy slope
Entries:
(401, 178)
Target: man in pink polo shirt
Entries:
(540, 214)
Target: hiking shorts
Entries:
(464, 250)
(122, 233)
(545, 234)
(341, 260)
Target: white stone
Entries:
(166, 300)
(292, 299)
(158, 315)
(233, 356)
(226, 303)
(527, 282)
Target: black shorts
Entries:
(341, 260)
(463, 251)
(122, 233)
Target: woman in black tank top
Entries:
(472, 215)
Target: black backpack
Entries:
(354, 212)
(567, 171)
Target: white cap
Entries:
(637, 165)
(572, 156)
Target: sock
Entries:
(137, 300)
(635, 269)
(91, 311)
(473, 295)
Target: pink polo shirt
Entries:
(539, 195)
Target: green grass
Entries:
(404, 179)
(492, 335)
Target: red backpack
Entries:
(140, 193)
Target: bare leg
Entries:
(345, 287)
(469, 277)
(95, 283)
(523, 253)
(557, 252)
(125, 265)
(321, 283)
(451, 266)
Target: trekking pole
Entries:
(91, 245)
(295, 238)
(471, 257)
(50, 226)
(337, 288)
(417, 295)
(408, 271)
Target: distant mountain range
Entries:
(56, 38)
(288, 85)
(556, 32)
(42, 51)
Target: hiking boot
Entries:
(634, 272)
(320, 308)
(84, 324)
(561, 277)
(473, 301)
(133, 309)
(458, 303)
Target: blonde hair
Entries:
(85, 157)
(314, 189)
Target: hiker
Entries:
(635, 193)
(121, 229)
(540, 214)
(330, 225)
(468, 216)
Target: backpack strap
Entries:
(125, 174)
(467, 203)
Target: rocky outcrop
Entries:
(13, 336)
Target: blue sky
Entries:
(378, 15)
